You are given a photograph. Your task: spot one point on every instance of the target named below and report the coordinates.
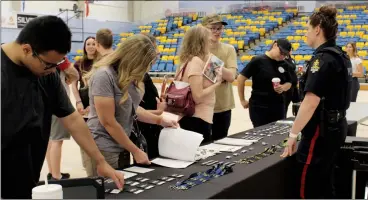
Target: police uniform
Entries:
(329, 77)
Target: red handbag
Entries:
(179, 100)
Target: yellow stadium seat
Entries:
(343, 34)
(298, 58)
(362, 53)
(307, 57)
(269, 42)
(351, 34)
(79, 51)
(297, 37)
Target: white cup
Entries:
(276, 82)
(51, 191)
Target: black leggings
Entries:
(197, 125)
(354, 89)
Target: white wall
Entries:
(148, 11)
(103, 11)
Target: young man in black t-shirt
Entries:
(31, 93)
(266, 104)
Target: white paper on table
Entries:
(127, 174)
(203, 153)
(139, 170)
(171, 163)
(222, 147)
(179, 144)
(235, 141)
(180, 84)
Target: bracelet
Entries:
(159, 120)
(294, 136)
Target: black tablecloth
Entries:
(246, 180)
(267, 178)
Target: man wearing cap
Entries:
(269, 81)
(224, 93)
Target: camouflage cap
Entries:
(212, 19)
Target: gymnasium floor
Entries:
(71, 159)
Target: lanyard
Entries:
(202, 177)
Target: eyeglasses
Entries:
(47, 64)
(213, 29)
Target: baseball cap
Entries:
(284, 45)
(212, 19)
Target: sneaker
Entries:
(63, 176)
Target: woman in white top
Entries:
(357, 66)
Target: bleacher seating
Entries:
(353, 26)
(243, 28)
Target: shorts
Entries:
(58, 132)
(117, 160)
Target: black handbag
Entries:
(136, 136)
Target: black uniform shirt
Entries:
(262, 69)
(326, 78)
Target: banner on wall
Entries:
(9, 21)
(23, 19)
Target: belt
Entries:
(334, 116)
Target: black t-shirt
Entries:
(28, 102)
(262, 69)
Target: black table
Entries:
(246, 181)
(267, 178)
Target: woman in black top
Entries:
(151, 103)
(266, 104)
(83, 66)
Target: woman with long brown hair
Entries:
(83, 66)
(356, 64)
(193, 55)
(115, 90)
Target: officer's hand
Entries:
(290, 148)
(245, 104)
(279, 89)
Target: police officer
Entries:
(266, 104)
(292, 95)
(321, 116)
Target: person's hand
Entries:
(141, 157)
(219, 75)
(105, 170)
(245, 104)
(86, 111)
(80, 108)
(172, 123)
(161, 105)
(290, 147)
(279, 89)
(68, 81)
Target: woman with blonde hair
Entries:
(115, 92)
(356, 64)
(194, 52)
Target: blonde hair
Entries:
(195, 43)
(133, 59)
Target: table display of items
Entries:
(218, 168)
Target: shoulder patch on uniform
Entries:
(315, 67)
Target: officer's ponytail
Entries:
(325, 17)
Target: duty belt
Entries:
(334, 116)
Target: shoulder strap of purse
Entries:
(182, 71)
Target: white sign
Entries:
(9, 21)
